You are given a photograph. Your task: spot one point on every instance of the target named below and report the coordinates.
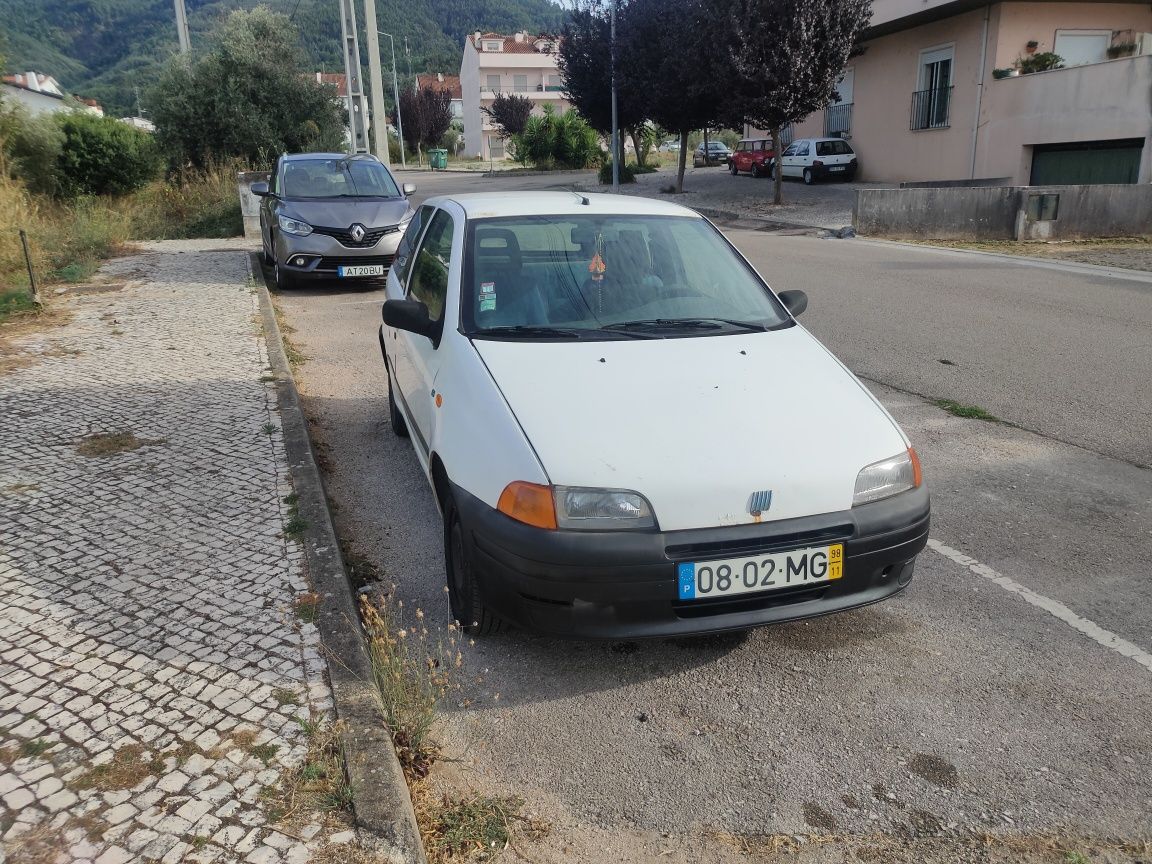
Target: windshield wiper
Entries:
(529, 331)
(684, 324)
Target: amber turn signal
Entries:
(917, 476)
(529, 503)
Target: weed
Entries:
(464, 827)
(310, 728)
(1073, 857)
(77, 272)
(101, 444)
(361, 571)
(284, 696)
(198, 843)
(291, 500)
(34, 749)
(318, 783)
(412, 675)
(312, 773)
(307, 607)
(244, 738)
(128, 767)
(269, 428)
(295, 525)
(15, 303)
(295, 356)
(338, 798)
(265, 753)
(971, 412)
(267, 379)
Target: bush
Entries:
(627, 173)
(198, 204)
(102, 156)
(557, 141)
(32, 146)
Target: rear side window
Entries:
(408, 242)
(832, 148)
(429, 282)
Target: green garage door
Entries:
(1087, 162)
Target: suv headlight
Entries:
(294, 226)
(887, 477)
(601, 509)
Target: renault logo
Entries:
(759, 503)
(357, 231)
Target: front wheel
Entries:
(732, 167)
(464, 597)
(808, 178)
(284, 281)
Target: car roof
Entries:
(296, 157)
(482, 205)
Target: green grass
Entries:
(474, 825)
(34, 749)
(14, 303)
(265, 753)
(970, 412)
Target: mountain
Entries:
(110, 49)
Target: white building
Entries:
(492, 64)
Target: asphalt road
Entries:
(1005, 694)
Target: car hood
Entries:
(344, 212)
(698, 424)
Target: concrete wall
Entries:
(1021, 23)
(35, 103)
(1000, 213)
(249, 203)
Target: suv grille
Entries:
(331, 262)
(371, 237)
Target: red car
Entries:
(752, 156)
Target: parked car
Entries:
(670, 147)
(814, 159)
(331, 216)
(752, 156)
(625, 429)
(717, 152)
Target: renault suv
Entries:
(331, 216)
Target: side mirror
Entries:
(411, 315)
(260, 189)
(409, 188)
(794, 301)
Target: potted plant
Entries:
(1006, 72)
(1121, 49)
(1031, 46)
(1042, 62)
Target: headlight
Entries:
(295, 226)
(601, 509)
(887, 477)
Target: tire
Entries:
(464, 597)
(284, 282)
(808, 178)
(757, 170)
(732, 167)
(395, 418)
(772, 171)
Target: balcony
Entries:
(930, 109)
(553, 90)
(838, 119)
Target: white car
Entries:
(627, 432)
(813, 159)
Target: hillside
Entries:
(106, 49)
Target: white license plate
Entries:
(836, 168)
(769, 572)
(361, 270)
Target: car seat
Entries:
(502, 295)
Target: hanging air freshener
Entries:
(597, 268)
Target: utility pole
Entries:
(396, 96)
(348, 31)
(182, 27)
(376, 85)
(615, 125)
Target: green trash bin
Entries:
(438, 159)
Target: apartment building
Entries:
(943, 91)
(492, 64)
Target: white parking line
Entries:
(1054, 607)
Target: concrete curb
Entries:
(382, 802)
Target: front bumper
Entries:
(322, 255)
(623, 584)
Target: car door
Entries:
(740, 156)
(800, 160)
(787, 157)
(428, 280)
(397, 341)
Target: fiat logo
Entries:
(357, 231)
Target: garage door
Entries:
(1087, 162)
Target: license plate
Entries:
(836, 168)
(361, 270)
(769, 572)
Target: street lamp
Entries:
(396, 96)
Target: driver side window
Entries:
(429, 282)
(403, 260)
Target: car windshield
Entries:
(337, 178)
(605, 276)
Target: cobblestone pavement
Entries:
(157, 684)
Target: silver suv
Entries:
(331, 216)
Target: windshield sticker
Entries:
(487, 303)
(487, 288)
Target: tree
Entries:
(585, 63)
(557, 141)
(249, 96)
(786, 57)
(427, 116)
(668, 57)
(509, 112)
(102, 156)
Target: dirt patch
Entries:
(935, 770)
(131, 764)
(817, 817)
(1133, 253)
(102, 444)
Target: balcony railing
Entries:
(930, 108)
(525, 90)
(838, 119)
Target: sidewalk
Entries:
(162, 688)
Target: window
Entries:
(598, 271)
(833, 148)
(520, 83)
(429, 282)
(333, 178)
(493, 83)
(931, 101)
(493, 44)
(803, 149)
(457, 108)
(496, 146)
(741, 146)
(792, 150)
(403, 260)
(1078, 47)
(554, 84)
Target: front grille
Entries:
(371, 237)
(331, 262)
(757, 544)
(747, 602)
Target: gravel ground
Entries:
(1129, 254)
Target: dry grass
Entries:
(317, 785)
(129, 766)
(103, 444)
(471, 828)
(1134, 253)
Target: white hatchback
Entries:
(814, 159)
(627, 432)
